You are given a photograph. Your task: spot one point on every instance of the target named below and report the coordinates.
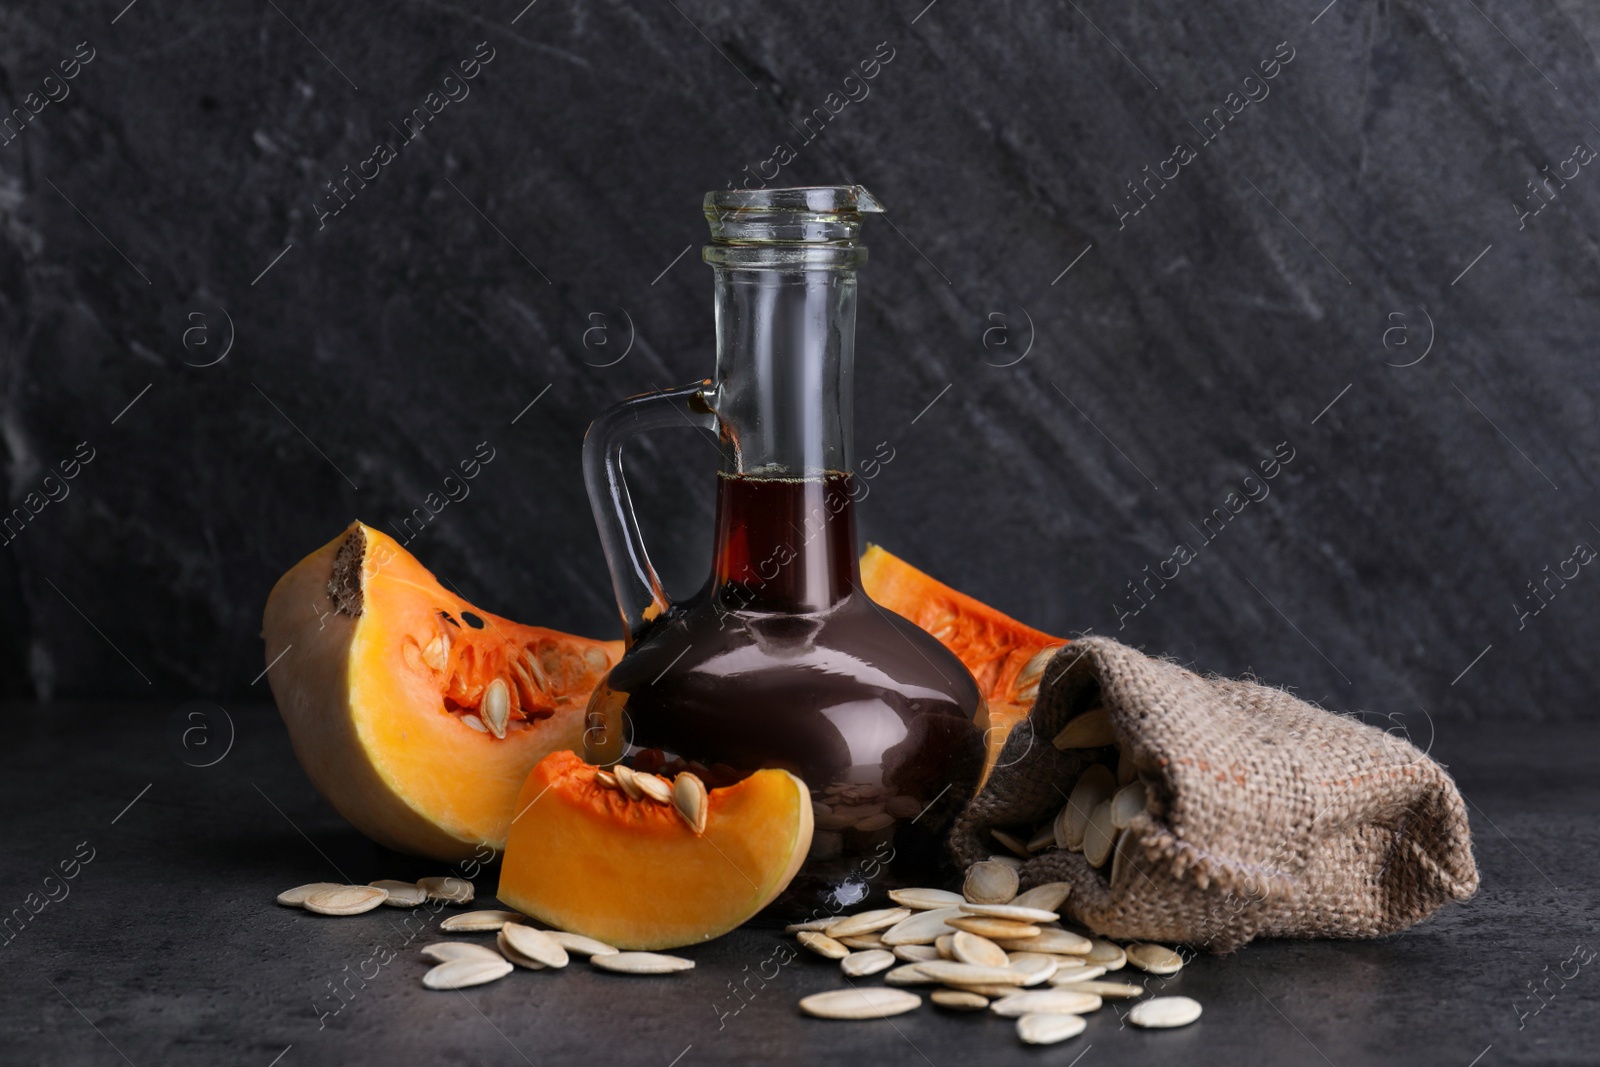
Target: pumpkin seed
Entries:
(1061, 828)
(861, 964)
(922, 928)
(437, 652)
(1162, 1012)
(1014, 912)
(1115, 990)
(954, 972)
(345, 900)
(1095, 784)
(907, 974)
(1043, 838)
(689, 798)
(945, 945)
(625, 778)
(858, 811)
(514, 699)
(459, 974)
(479, 921)
(525, 689)
(984, 989)
(958, 1000)
(1062, 1000)
(903, 807)
(537, 945)
(509, 951)
(1066, 974)
(822, 944)
(1015, 844)
(810, 924)
(495, 707)
(834, 821)
(1059, 942)
(869, 1002)
(990, 883)
(653, 786)
(401, 894)
(296, 897)
(607, 779)
(1099, 836)
(445, 951)
(973, 948)
(1120, 855)
(1032, 674)
(1156, 959)
(540, 679)
(474, 722)
(1038, 966)
(641, 963)
(1126, 771)
(1006, 861)
(1047, 897)
(873, 823)
(979, 924)
(1049, 1029)
(579, 945)
(916, 953)
(861, 941)
(1109, 956)
(447, 888)
(1126, 803)
(925, 899)
(868, 922)
(1092, 729)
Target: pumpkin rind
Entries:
(345, 631)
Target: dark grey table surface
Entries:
(166, 946)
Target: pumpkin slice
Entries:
(416, 714)
(584, 857)
(1005, 656)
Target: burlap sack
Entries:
(1266, 817)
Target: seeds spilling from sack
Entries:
(1097, 816)
(990, 948)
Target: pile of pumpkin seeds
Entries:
(460, 964)
(987, 947)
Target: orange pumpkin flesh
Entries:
(380, 672)
(1006, 657)
(583, 857)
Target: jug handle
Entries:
(640, 596)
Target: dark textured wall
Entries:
(1361, 234)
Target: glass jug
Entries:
(781, 660)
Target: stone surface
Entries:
(177, 196)
(169, 944)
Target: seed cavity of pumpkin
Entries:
(518, 690)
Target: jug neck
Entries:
(785, 265)
(785, 496)
(785, 362)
